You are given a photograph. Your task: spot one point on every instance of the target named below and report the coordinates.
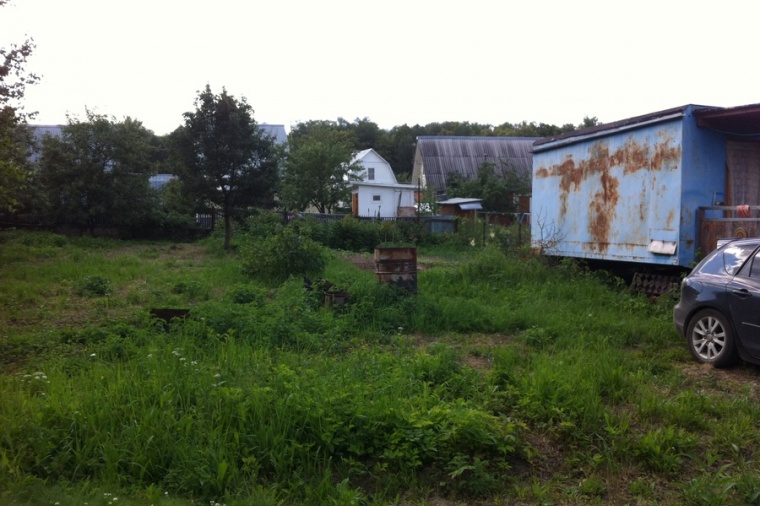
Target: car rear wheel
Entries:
(710, 339)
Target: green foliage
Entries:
(663, 450)
(350, 234)
(96, 174)
(15, 138)
(277, 257)
(226, 158)
(264, 224)
(247, 294)
(317, 169)
(504, 380)
(497, 186)
(92, 286)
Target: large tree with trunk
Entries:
(228, 161)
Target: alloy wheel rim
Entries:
(709, 338)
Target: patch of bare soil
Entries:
(707, 379)
(476, 347)
(366, 261)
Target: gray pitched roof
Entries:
(39, 132)
(441, 156)
(275, 131)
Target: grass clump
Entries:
(94, 286)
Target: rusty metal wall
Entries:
(612, 196)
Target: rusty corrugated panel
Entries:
(442, 156)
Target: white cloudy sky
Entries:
(392, 61)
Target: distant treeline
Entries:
(397, 145)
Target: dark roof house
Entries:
(438, 157)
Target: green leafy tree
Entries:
(496, 185)
(589, 121)
(399, 148)
(532, 129)
(459, 128)
(318, 170)
(97, 173)
(228, 161)
(15, 138)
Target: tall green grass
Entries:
(504, 380)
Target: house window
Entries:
(371, 174)
(375, 198)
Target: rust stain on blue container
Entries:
(598, 166)
(398, 267)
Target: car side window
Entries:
(735, 256)
(735, 259)
(754, 270)
(729, 260)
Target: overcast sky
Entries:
(394, 62)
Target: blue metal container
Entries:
(632, 190)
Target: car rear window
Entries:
(728, 260)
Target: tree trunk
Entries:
(227, 230)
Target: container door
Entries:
(743, 173)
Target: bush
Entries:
(351, 234)
(247, 294)
(264, 224)
(282, 255)
(93, 286)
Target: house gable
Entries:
(377, 193)
(376, 169)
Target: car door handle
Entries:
(743, 293)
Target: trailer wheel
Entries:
(710, 339)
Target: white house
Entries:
(377, 194)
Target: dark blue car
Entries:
(719, 310)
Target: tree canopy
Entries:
(318, 169)
(97, 173)
(228, 161)
(497, 185)
(398, 144)
(15, 138)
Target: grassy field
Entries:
(504, 381)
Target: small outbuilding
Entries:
(460, 207)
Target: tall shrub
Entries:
(284, 254)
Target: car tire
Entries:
(710, 339)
